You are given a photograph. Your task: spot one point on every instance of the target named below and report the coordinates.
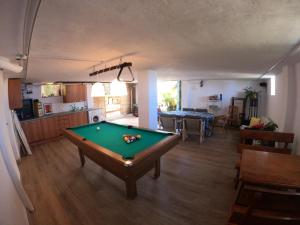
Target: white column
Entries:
(147, 99)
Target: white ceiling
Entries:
(12, 14)
(180, 39)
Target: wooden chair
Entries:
(168, 123)
(280, 139)
(193, 126)
(233, 118)
(256, 205)
(201, 110)
(188, 109)
(221, 121)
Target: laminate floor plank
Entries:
(196, 186)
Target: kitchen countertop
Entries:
(60, 114)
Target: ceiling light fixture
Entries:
(118, 88)
(120, 66)
(98, 90)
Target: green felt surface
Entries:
(110, 136)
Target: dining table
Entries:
(206, 117)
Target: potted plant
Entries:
(270, 126)
(250, 93)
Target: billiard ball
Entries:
(98, 128)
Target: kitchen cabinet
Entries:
(15, 94)
(50, 127)
(74, 93)
(83, 118)
(63, 123)
(45, 129)
(77, 119)
(33, 130)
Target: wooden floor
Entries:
(195, 187)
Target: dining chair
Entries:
(194, 127)
(188, 109)
(221, 121)
(168, 123)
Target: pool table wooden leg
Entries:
(131, 191)
(157, 169)
(81, 156)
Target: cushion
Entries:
(254, 121)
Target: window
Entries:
(273, 85)
(168, 95)
(50, 90)
(118, 88)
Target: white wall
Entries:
(10, 125)
(12, 210)
(296, 119)
(194, 96)
(147, 97)
(284, 107)
(277, 105)
(57, 102)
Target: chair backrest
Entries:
(270, 136)
(188, 109)
(193, 125)
(260, 205)
(201, 110)
(168, 123)
(233, 111)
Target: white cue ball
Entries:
(98, 128)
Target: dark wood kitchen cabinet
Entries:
(33, 130)
(74, 93)
(77, 119)
(49, 128)
(63, 123)
(15, 94)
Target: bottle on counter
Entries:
(37, 108)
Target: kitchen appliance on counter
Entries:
(37, 108)
(26, 112)
(95, 115)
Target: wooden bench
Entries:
(278, 138)
(260, 206)
(269, 190)
(270, 136)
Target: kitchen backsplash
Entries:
(34, 92)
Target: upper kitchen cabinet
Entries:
(74, 93)
(15, 94)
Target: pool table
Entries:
(103, 143)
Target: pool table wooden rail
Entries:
(129, 170)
